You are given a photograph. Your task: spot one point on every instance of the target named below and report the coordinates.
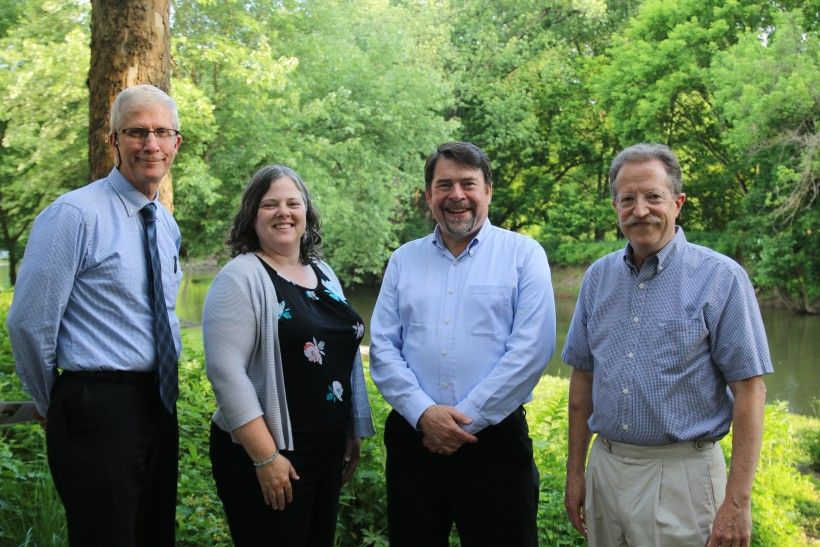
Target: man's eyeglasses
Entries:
(139, 134)
(628, 201)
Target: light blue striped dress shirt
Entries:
(663, 343)
(474, 331)
(81, 301)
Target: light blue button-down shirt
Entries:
(663, 342)
(81, 301)
(474, 331)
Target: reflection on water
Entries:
(794, 341)
(191, 298)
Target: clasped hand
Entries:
(443, 431)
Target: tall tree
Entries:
(130, 45)
(766, 87)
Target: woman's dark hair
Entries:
(243, 238)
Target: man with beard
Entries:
(462, 330)
(668, 350)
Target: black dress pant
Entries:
(309, 520)
(489, 489)
(113, 451)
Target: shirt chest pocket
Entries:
(488, 310)
(678, 341)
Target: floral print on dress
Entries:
(314, 351)
(358, 330)
(284, 311)
(333, 292)
(334, 392)
(311, 294)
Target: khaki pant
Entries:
(653, 495)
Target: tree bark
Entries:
(130, 45)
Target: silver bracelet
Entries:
(266, 462)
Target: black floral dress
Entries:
(319, 334)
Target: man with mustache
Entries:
(96, 338)
(668, 350)
(462, 330)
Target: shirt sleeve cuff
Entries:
(414, 407)
(478, 422)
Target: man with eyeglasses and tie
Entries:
(668, 351)
(96, 338)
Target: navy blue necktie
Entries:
(163, 338)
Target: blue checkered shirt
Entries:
(663, 343)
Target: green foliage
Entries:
(766, 86)
(200, 520)
(363, 504)
(352, 106)
(43, 123)
(32, 515)
(522, 73)
(354, 94)
(580, 253)
(784, 501)
(731, 86)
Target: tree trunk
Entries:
(130, 45)
(12, 267)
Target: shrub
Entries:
(784, 501)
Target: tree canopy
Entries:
(354, 94)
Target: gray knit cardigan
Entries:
(242, 356)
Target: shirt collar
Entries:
(132, 199)
(482, 234)
(663, 258)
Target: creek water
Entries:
(794, 342)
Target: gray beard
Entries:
(460, 228)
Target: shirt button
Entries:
(635, 319)
(446, 321)
(630, 355)
(445, 385)
(626, 427)
(451, 291)
(661, 324)
(444, 352)
(626, 391)
(642, 285)
(660, 268)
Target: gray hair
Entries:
(643, 152)
(136, 98)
